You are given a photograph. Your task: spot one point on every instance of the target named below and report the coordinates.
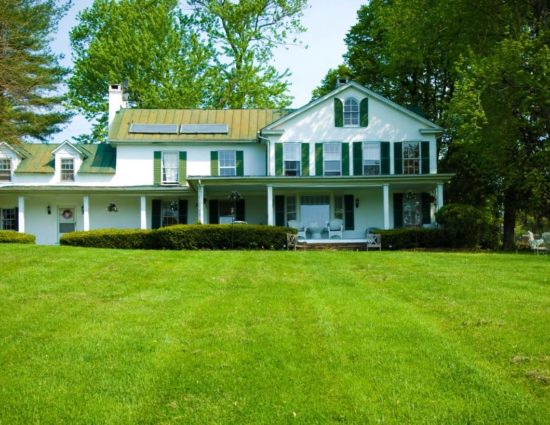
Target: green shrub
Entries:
(11, 236)
(109, 238)
(221, 236)
(412, 237)
(195, 236)
(466, 226)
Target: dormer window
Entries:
(67, 169)
(5, 169)
(351, 112)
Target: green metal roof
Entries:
(100, 159)
(243, 124)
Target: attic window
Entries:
(204, 129)
(153, 128)
(5, 169)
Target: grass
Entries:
(104, 336)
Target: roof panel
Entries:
(153, 128)
(204, 129)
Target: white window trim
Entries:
(61, 169)
(403, 159)
(325, 158)
(233, 167)
(299, 160)
(379, 144)
(358, 112)
(10, 169)
(162, 181)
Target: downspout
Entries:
(267, 159)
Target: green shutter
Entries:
(183, 167)
(239, 210)
(182, 211)
(156, 167)
(398, 157)
(214, 163)
(240, 163)
(357, 158)
(345, 159)
(278, 159)
(213, 216)
(279, 210)
(155, 213)
(425, 157)
(426, 208)
(364, 112)
(385, 157)
(349, 213)
(397, 210)
(305, 159)
(17, 219)
(318, 159)
(338, 113)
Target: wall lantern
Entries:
(49, 209)
(356, 202)
(112, 207)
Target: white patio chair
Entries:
(536, 245)
(301, 229)
(335, 228)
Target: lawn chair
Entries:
(537, 245)
(374, 240)
(335, 228)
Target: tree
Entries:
(149, 44)
(244, 34)
(30, 74)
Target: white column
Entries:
(270, 215)
(21, 213)
(143, 212)
(200, 203)
(86, 213)
(438, 196)
(386, 190)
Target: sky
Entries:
(327, 23)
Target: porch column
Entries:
(386, 190)
(86, 213)
(200, 203)
(438, 196)
(142, 212)
(21, 213)
(270, 215)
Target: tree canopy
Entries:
(30, 74)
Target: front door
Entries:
(67, 220)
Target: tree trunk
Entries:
(510, 213)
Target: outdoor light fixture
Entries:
(49, 209)
(112, 207)
(356, 202)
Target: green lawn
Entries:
(103, 336)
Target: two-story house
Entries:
(352, 155)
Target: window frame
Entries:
(226, 167)
(297, 162)
(364, 160)
(173, 168)
(64, 170)
(325, 160)
(5, 173)
(4, 219)
(412, 210)
(169, 206)
(412, 165)
(351, 118)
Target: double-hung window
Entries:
(170, 167)
(351, 112)
(169, 213)
(371, 158)
(291, 157)
(67, 169)
(8, 219)
(411, 158)
(5, 169)
(332, 159)
(228, 163)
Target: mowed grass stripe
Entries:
(247, 337)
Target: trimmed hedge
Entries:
(11, 236)
(413, 237)
(193, 236)
(466, 226)
(110, 238)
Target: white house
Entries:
(351, 157)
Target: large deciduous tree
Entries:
(244, 34)
(150, 44)
(30, 74)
